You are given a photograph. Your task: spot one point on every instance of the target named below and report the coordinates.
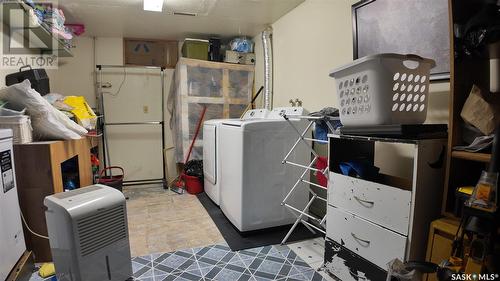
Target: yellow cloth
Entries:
(47, 270)
(81, 109)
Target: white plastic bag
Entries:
(397, 269)
(57, 101)
(47, 122)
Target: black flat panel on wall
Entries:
(404, 26)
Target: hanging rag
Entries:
(321, 128)
(359, 169)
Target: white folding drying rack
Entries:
(320, 226)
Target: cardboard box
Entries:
(478, 112)
(240, 58)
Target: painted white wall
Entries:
(4, 71)
(75, 76)
(308, 43)
(109, 50)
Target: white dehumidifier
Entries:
(88, 234)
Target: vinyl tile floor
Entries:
(219, 263)
(162, 221)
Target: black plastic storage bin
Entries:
(37, 77)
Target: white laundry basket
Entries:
(21, 127)
(383, 89)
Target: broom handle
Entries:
(196, 133)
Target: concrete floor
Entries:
(162, 221)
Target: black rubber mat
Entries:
(246, 240)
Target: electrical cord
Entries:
(121, 84)
(30, 230)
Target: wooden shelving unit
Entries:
(472, 156)
(41, 31)
(463, 168)
(224, 88)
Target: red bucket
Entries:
(193, 184)
(115, 181)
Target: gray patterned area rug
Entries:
(218, 262)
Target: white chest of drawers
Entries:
(371, 222)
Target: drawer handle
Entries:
(367, 242)
(371, 203)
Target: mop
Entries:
(178, 185)
(251, 105)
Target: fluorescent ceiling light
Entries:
(153, 5)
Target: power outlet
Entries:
(145, 109)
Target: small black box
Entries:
(38, 78)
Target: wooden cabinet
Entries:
(39, 174)
(466, 70)
(441, 235)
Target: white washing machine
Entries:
(253, 181)
(12, 245)
(211, 155)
